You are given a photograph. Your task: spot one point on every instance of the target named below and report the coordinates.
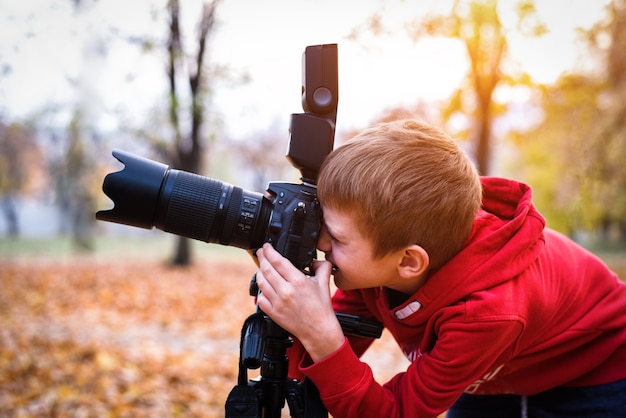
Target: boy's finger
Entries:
(322, 270)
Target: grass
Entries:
(151, 245)
(612, 253)
(616, 260)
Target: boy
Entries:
(499, 316)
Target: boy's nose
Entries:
(323, 242)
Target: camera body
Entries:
(149, 194)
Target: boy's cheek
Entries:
(340, 282)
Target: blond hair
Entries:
(405, 182)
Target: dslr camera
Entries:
(149, 194)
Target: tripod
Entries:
(264, 344)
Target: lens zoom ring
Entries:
(193, 206)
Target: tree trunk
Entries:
(10, 213)
(188, 146)
(182, 255)
(483, 140)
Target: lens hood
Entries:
(134, 191)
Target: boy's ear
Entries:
(414, 262)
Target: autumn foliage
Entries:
(129, 338)
(120, 339)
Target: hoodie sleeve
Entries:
(465, 354)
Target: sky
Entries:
(51, 54)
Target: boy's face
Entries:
(352, 255)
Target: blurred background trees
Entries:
(567, 138)
(19, 159)
(575, 157)
(478, 26)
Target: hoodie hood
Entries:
(507, 237)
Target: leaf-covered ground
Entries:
(126, 339)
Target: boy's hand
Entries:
(300, 304)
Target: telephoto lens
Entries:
(149, 194)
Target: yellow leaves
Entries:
(106, 362)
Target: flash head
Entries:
(320, 81)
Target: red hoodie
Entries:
(520, 310)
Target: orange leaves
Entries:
(120, 339)
(128, 339)
(63, 379)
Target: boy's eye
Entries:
(334, 239)
(330, 236)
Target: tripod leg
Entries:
(314, 408)
(243, 400)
